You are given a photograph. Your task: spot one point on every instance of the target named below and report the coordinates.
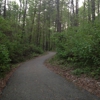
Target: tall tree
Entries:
(89, 11)
(98, 8)
(20, 10)
(93, 9)
(4, 13)
(58, 17)
(0, 7)
(77, 8)
(24, 14)
(72, 13)
(38, 23)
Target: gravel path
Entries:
(33, 81)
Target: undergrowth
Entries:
(75, 70)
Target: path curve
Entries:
(33, 81)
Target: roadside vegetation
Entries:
(79, 45)
(14, 48)
(31, 27)
(81, 49)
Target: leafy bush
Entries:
(18, 51)
(78, 71)
(14, 45)
(4, 59)
(4, 26)
(81, 46)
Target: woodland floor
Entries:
(33, 81)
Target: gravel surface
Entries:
(33, 81)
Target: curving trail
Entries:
(33, 81)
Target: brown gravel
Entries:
(87, 83)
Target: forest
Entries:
(31, 27)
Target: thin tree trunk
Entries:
(72, 3)
(4, 15)
(32, 25)
(58, 18)
(20, 1)
(33, 18)
(84, 13)
(0, 9)
(72, 14)
(44, 24)
(93, 9)
(69, 15)
(89, 11)
(76, 21)
(98, 8)
(24, 16)
(38, 27)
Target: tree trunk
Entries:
(20, 8)
(93, 9)
(0, 8)
(24, 15)
(58, 18)
(84, 13)
(76, 20)
(72, 3)
(4, 15)
(98, 8)
(89, 11)
(33, 18)
(72, 18)
(38, 25)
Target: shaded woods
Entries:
(30, 27)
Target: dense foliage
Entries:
(29, 27)
(13, 49)
(25, 30)
(81, 47)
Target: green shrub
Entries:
(78, 72)
(5, 26)
(4, 60)
(81, 46)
